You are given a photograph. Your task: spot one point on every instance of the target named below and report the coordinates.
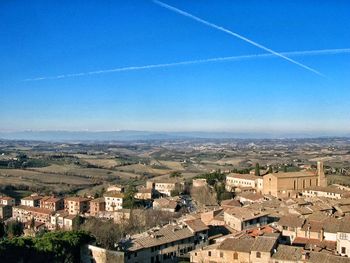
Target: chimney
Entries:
(322, 181)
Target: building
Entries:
(61, 221)
(248, 198)
(167, 243)
(5, 211)
(165, 204)
(32, 200)
(145, 194)
(114, 201)
(116, 188)
(245, 249)
(97, 205)
(242, 218)
(201, 182)
(234, 181)
(6, 200)
(26, 213)
(290, 184)
(331, 192)
(76, 205)
(52, 203)
(166, 187)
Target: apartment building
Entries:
(76, 205)
(26, 213)
(52, 203)
(242, 218)
(114, 201)
(32, 200)
(97, 205)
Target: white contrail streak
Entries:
(220, 28)
(200, 61)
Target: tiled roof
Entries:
(243, 176)
(244, 213)
(291, 221)
(196, 225)
(114, 194)
(239, 245)
(34, 209)
(264, 243)
(288, 253)
(77, 199)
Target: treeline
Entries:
(53, 247)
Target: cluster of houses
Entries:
(278, 217)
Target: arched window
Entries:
(258, 255)
(235, 255)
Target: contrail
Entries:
(199, 61)
(220, 28)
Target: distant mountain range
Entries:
(148, 135)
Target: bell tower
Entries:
(322, 180)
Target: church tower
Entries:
(322, 181)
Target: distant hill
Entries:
(143, 135)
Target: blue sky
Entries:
(48, 39)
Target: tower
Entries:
(322, 181)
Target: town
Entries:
(262, 215)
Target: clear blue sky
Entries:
(52, 38)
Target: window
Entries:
(221, 254)
(258, 254)
(209, 254)
(343, 250)
(235, 255)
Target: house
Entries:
(245, 249)
(32, 200)
(248, 198)
(331, 192)
(6, 200)
(235, 180)
(5, 211)
(242, 218)
(116, 188)
(114, 200)
(52, 203)
(62, 220)
(97, 205)
(144, 194)
(165, 244)
(166, 186)
(26, 213)
(165, 204)
(76, 205)
(343, 238)
(291, 183)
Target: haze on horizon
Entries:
(135, 65)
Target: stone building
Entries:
(292, 183)
(97, 205)
(234, 181)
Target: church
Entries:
(291, 184)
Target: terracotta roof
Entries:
(288, 253)
(34, 197)
(230, 202)
(239, 244)
(264, 243)
(251, 196)
(291, 221)
(165, 203)
(156, 237)
(196, 225)
(77, 199)
(114, 194)
(98, 200)
(6, 198)
(244, 213)
(293, 174)
(34, 209)
(243, 176)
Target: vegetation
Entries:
(50, 247)
(257, 169)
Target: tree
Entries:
(129, 196)
(257, 169)
(14, 229)
(270, 169)
(32, 223)
(175, 174)
(2, 229)
(77, 222)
